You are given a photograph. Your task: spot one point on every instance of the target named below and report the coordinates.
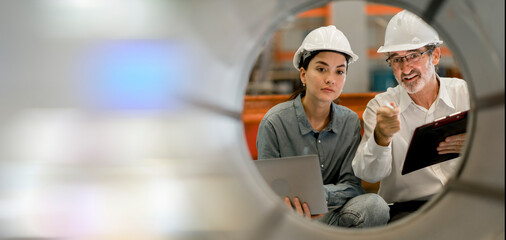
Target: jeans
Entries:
(366, 210)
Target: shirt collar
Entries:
(304, 125)
(405, 99)
(443, 93)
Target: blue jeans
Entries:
(366, 210)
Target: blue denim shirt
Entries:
(285, 131)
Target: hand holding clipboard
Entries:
(452, 144)
(429, 138)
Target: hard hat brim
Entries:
(296, 59)
(404, 47)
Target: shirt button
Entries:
(322, 165)
(319, 141)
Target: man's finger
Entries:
(459, 137)
(449, 149)
(388, 113)
(452, 143)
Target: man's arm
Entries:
(373, 160)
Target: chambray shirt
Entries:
(285, 131)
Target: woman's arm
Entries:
(267, 142)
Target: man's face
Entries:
(415, 73)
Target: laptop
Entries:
(298, 176)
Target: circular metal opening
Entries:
(452, 26)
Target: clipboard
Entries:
(426, 138)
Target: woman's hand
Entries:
(302, 209)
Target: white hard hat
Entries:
(324, 38)
(406, 31)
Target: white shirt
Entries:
(374, 163)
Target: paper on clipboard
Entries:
(426, 138)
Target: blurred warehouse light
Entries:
(134, 75)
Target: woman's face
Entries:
(324, 76)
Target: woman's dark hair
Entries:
(304, 63)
